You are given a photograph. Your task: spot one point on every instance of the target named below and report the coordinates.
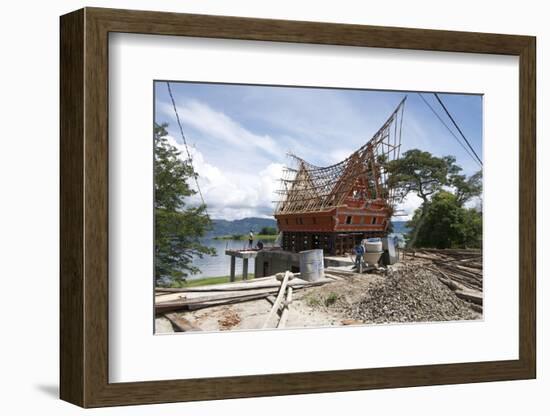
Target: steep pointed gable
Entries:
(309, 188)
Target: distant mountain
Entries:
(242, 226)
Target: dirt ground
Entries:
(311, 307)
(407, 292)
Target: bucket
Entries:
(312, 266)
(373, 246)
(372, 258)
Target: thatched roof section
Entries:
(309, 188)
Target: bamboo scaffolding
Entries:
(309, 188)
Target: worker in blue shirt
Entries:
(359, 252)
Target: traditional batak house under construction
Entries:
(336, 206)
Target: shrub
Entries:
(268, 231)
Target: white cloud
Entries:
(340, 154)
(407, 207)
(219, 126)
(232, 194)
(240, 149)
(476, 203)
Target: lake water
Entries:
(211, 266)
(219, 265)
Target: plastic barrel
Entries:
(372, 258)
(373, 246)
(312, 265)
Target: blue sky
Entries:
(239, 135)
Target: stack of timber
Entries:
(193, 298)
(460, 270)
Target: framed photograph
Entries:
(255, 207)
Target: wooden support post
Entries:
(232, 270)
(280, 296)
(245, 269)
(286, 310)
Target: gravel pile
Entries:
(411, 294)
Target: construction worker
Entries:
(359, 253)
(250, 239)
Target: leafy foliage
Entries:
(467, 188)
(178, 228)
(446, 224)
(419, 172)
(441, 221)
(268, 231)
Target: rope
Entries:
(185, 142)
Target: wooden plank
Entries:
(278, 300)
(286, 310)
(476, 307)
(215, 296)
(449, 283)
(470, 296)
(452, 281)
(228, 284)
(169, 297)
(223, 299)
(174, 306)
(248, 286)
(270, 299)
(217, 285)
(333, 276)
(180, 324)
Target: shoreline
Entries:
(244, 237)
(204, 281)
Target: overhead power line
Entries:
(458, 128)
(449, 129)
(185, 142)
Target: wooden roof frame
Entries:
(330, 186)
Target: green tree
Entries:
(466, 188)
(178, 227)
(422, 173)
(419, 172)
(447, 224)
(429, 176)
(268, 231)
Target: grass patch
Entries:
(331, 299)
(313, 301)
(215, 280)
